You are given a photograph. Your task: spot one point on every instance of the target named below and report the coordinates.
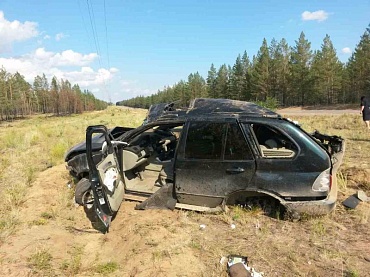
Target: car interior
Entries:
(272, 143)
(147, 162)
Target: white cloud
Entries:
(13, 31)
(346, 50)
(54, 64)
(113, 69)
(317, 15)
(65, 58)
(69, 65)
(132, 89)
(60, 36)
(69, 57)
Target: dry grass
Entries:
(28, 147)
(35, 210)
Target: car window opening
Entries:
(216, 141)
(273, 143)
(148, 161)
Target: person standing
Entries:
(365, 110)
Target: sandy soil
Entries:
(171, 243)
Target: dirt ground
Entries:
(171, 243)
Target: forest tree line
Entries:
(278, 73)
(18, 98)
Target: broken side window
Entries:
(204, 140)
(273, 143)
(237, 147)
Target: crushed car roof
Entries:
(208, 107)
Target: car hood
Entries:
(97, 142)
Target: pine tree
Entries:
(4, 92)
(279, 70)
(196, 85)
(260, 74)
(54, 91)
(300, 81)
(358, 68)
(211, 81)
(326, 75)
(41, 91)
(237, 80)
(246, 65)
(21, 91)
(222, 82)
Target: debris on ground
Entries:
(355, 199)
(161, 199)
(362, 196)
(237, 266)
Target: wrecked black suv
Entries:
(214, 153)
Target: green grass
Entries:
(195, 245)
(40, 260)
(106, 268)
(12, 139)
(72, 266)
(342, 180)
(9, 223)
(15, 195)
(352, 273)
(57, 152)
(318, 228)
(48, 215)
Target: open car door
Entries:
(106, 180)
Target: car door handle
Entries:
(235, 170)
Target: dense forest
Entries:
(18, 98)
(279, 74)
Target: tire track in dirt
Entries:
(141, 243)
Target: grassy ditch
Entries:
(31, 146)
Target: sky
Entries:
(120, 49)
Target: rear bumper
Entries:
(319, 207)
(325, 206)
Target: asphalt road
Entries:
(309, 112)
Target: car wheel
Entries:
(82, 187)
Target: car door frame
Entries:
(106, 204)
(235, 174)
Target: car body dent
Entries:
(210, 183)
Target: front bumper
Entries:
(78, 167)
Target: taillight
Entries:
(323, 181)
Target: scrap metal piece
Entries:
(351, 202)
(362, 196)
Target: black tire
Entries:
(81, 188)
